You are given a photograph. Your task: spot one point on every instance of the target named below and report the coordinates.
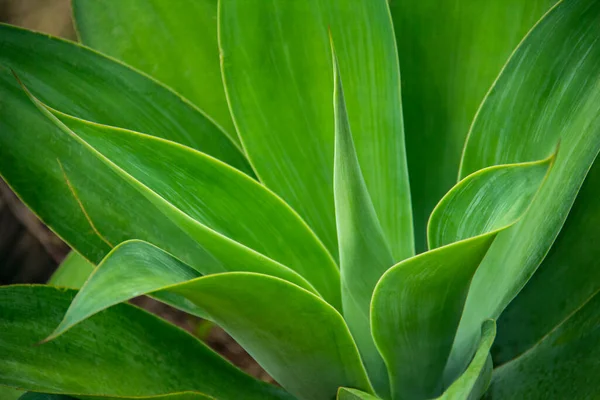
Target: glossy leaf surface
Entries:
(300, 340)
(278, 79)
(450, 53)
(151, 356)
(175, 42)
(550, 91)
(86, 84)
(476, 379)
(364, 251)
(418, 303)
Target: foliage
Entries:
(248, 162)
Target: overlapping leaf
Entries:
(364, 251)
(550, 90)
(123, 351)
(278, 78)
(86, 84)
(450, 53)
(300, 340)
(353, 394)
(72, 272)
(418, 303)
(175, 42)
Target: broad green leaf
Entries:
(418, 303)
(72, 272)
(548, 92)
(123, 351)
(173, 41)
(86, 84)
(94, 204)
(564, 281)
(300, 340)
(278, 79)
(475, 380)
(353, 394)
(563, 365)
(450, 53)
(44, 396)
(364, 252)
(7, 393)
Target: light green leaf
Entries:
(450, 53)
(300, 340)
(175, 42)
(277, 75)
(475, 380)
(86, 84)
(418, 303)
(563, 365)
(364, 252)
(353, 394)
(151, 357)
(72, 272)
(7, 393)
(90, 200)
(566, 279)
(551, 91)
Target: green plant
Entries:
(276, 200)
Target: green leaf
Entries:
(475, 380)
(72, 272)
(418, 303)
(96, 204)
(86, 84)
(353, 394)
(300, 340)
(150, 357)
(277, 75)
(364, 252)
(7, 393)
(171, 396)
(44, 396)
(175, 42)
(450, 53)
(549, 91)
(563, 365)
(566, 279)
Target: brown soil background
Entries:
(30, 252)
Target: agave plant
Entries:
(248, 162)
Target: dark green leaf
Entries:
(353, 394)
(123, 351)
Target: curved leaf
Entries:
(353, 394)
(94, 204)
(84, 83)
(123, 351)
(278, 79)
(175, 42)
(450, 53)
(475, 380)
(550, 90)
(300, 340)
(72, 272)
(7, 393)
(364, 252)
(418, 303)
(563, 365)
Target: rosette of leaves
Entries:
(288, 170)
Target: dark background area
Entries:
(30, 252)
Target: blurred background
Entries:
(30, 252)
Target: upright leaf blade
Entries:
(353, 394)
(84, 83)
(417, 304)
(550, 90)
(150, 357)
(450, 53)
(278, 80)
(72, 272)
(364, 252)
(175, 42)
